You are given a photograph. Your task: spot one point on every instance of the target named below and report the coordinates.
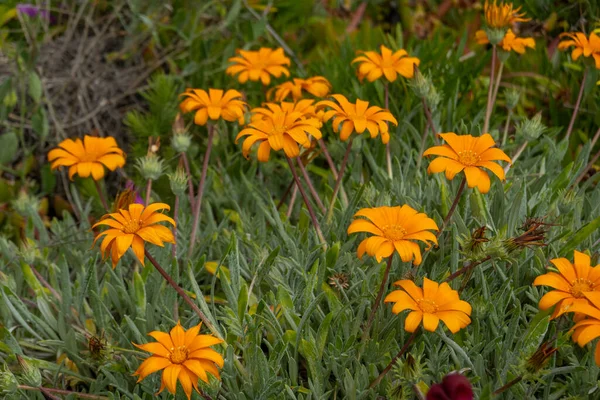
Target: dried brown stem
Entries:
(186, 165)
(148, 192)
(507, 386)
(101, 195)
(338, 182)
(466, 269)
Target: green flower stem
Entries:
(388, 153)
(184, 295)
(505, 134)
(378, 298)
(198, 202)
(311, 212)
(461, 188)
(497, 84)
(577, 104)
(391, 364)
(490, 105)
(338, 182)
(310, 185)
(101, 195)
(148, 192)
(46, 390)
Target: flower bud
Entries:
(25, 204)
(531, 129)
(420, 84)
(150, 166)
(512, 98)
(29, 251)
(178, 181)
(31, 375)
(181, 142)
(8, 382)
(495, 35)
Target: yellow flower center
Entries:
(179, 354)
(581, 285)
(132, 226)
(393, 232)
(468, 157)
(427, 306)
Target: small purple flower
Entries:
(34, 11)
(130, 186)
(452, 387)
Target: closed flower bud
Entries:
(541, 356)
(512, 98)
(8, 382)
(150, 166)
(181, 142)
(531, 129)
(31, 375)
(178, 181)
(420, 84)
(495, 35)
(25, 204)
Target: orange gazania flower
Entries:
(357, 117)
(278, 128)
(583, 45)
(318, 86)
(261, 64)
(432, 303)
(571, 282)
(502, 15)
(213, 105)
(509, 42)
(588, 329)
(184, 356)
(394, 228)
(468, 153)
(304, 106)
(373, 65)
(87, 157)
(133, 227)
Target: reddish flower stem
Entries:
(338, 182)
(288, 214)
(101, 195)
(63, 392)
(488, 109)
(175, 212)
(507, 386)
(198, 201)
(465, 269)
(311, 212)
(577, 104)
(285, 194)
(310, 185)
(333, 169)
(184, 295)
(378, 298)
(186, 165)
(461, 188)
(391, 364)
(587, 168)
(595, 138)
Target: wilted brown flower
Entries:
(541, 356)
(339, 281)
